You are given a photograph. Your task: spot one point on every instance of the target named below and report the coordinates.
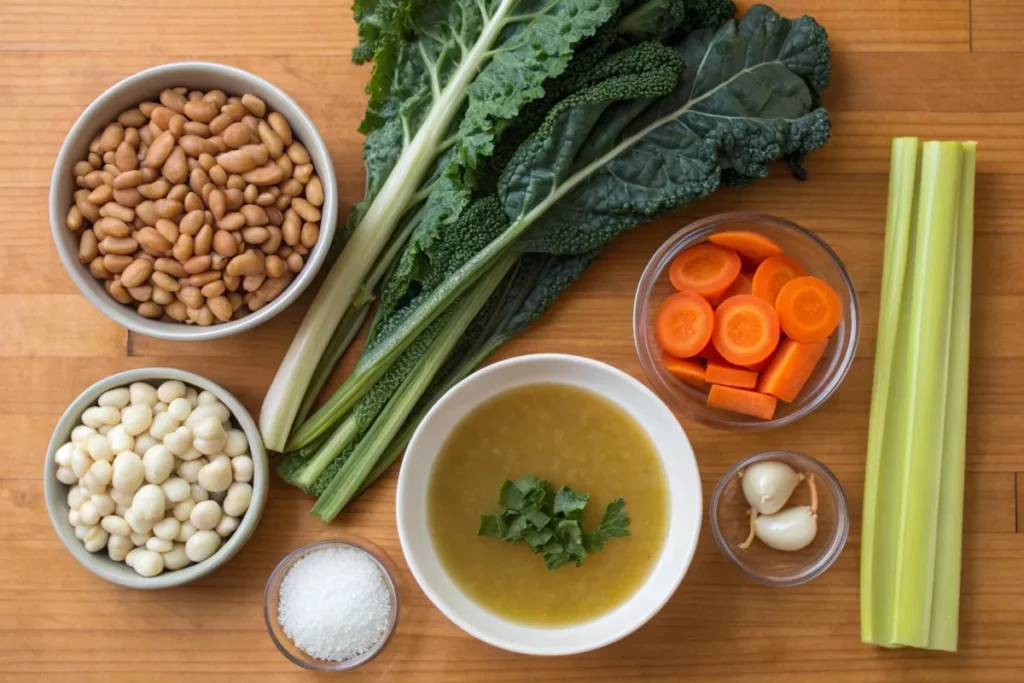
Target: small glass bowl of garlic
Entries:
(781, 517)
(155, 477)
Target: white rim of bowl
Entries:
(669, 589)
(95, 562)
(180, 331)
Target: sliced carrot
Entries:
(742, 401)
(741, 285)
(684, 324)
(761, 366)
(772, 274)
(705, 269)
(809, 310)
(752, 246)
(730, 375)
(746, 329)
(710, 353)
(690, 371)
(794, 362)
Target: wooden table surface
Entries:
(932, 68)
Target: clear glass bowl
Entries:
(814, 255)
(271, 600)
(730, 524)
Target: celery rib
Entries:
(928, 339)
(349, 479)
(946, 601)
(902, 184)
(913, 495)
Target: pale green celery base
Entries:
(877, 540)
(910, 566)
(946, 592)
(928, 343)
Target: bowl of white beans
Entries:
(155, 477)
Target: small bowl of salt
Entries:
(332, 605)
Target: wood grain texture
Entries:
(900, 67)
(996, 25)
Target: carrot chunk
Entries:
(710, 353)
(761, 366)
(772, 274)
(730, 375)
(684, 324)
(746, 329)
(794, 362)
(742, 401)
(705, 269)
(752, 246)
(809, 310)
(689, 371)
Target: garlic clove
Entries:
(789, 530)
(768, 484)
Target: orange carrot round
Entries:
(705, 269)
(684, 324)
(741, 285)
(689, 371)
(761, 366)
(710, 353)
(752, 246)
(809, 310)
(746, 329)
(772, 274)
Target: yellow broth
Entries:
(568, 436)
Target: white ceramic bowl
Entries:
(146, 85)
(671, 444)
(100, 563)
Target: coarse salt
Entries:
(335, 603)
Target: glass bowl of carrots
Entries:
(745, 321)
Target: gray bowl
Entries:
(118, 572)
(146, 85)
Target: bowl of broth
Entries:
(549, 504)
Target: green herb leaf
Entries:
(571, 536)
(516, 527)
(550, 521)
(536, 517)
(537, 539)
(614, 523)
(492, 525)
(510, 496)
(527, 483)
(570, 503)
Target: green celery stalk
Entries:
(349, 479)
(334, 444)
(403, 437)
(946, 592)
(931, 289)
(877, 539)
(353, 319)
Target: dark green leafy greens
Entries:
(665, 102)
(448, 77)
(550, 521)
